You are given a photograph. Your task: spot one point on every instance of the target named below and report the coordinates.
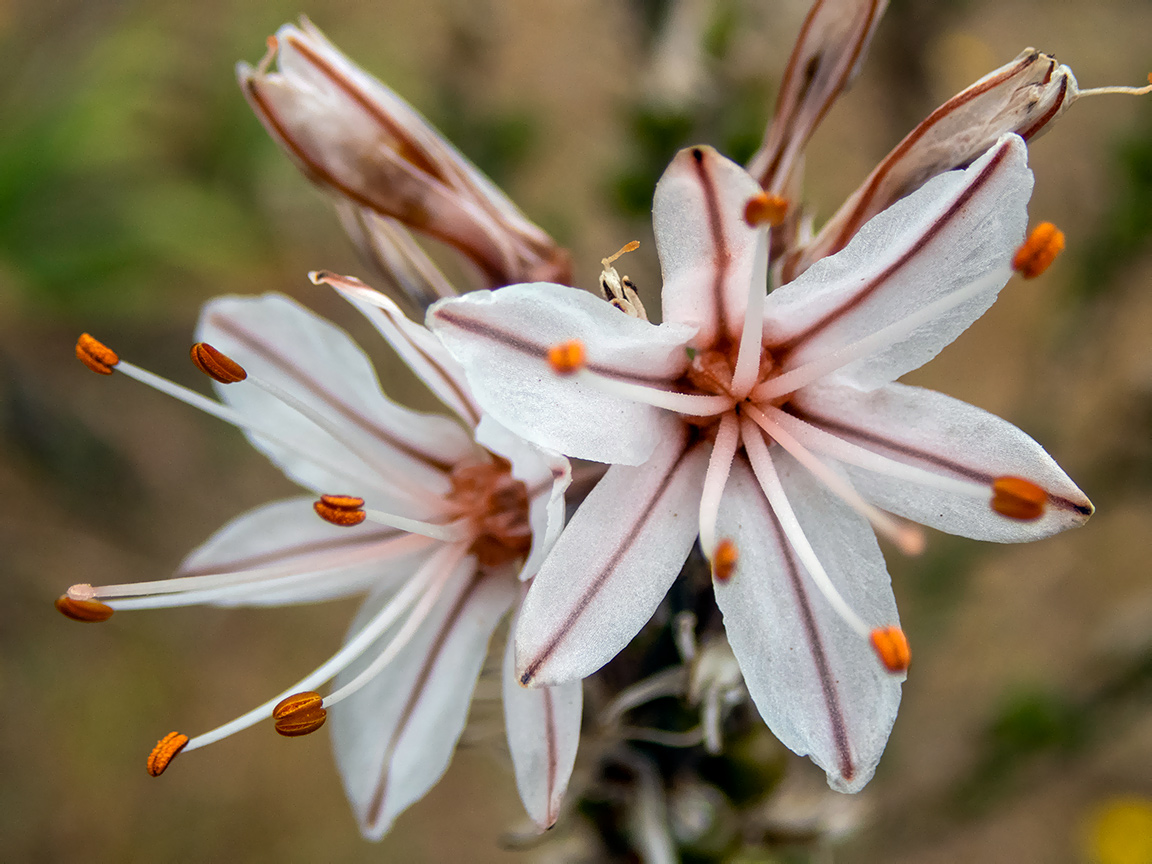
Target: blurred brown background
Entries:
(134, 185)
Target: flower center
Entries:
(496, 504)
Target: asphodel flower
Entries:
(437, 521)
(388, 170)
(770, 426)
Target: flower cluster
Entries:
(762, 419)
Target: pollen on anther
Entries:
(1038, 252)
(765, 209)
(567, 358)
(164, 752)
(891, 646)
(95, 354)
(724, 560)
(1018, 498)
(299, 714)
(88, 611)
(216, 365)
(343, 510)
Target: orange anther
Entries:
(1018, 498)
(567, 358)
(724, 560)
(216, 365)
(765, 209)
(891, 646)
(345, 510)
(95, 354)
(299, 714)
(90, 611)
(1040, 249)
(164, 752)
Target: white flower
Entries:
(770, 426)
(448, 518)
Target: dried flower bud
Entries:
(1023, 96)
(381, 160)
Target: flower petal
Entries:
(949, 438)
(279, 341)
(545, 474)
(612, 565)
(707, 250)
(416, 345)
(958, 228)
(543, 726)
(394, 739)
(502, 340)
(300, 557)
(814, 680)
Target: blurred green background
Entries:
(134, 185)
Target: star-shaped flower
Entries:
(445, 520)
(771, 427)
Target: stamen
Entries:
(692, 404)
(343, 510)
(1018, 498)
(909, 538)
(429, 578)
(765, 471)
(627, 247)
(885, 337)
(751, 348)
(165, 751)
(299, 714)
(567, 358)
(95, 355)
(1039, 251)
(719, 467)
(89, 611)
(891, 646)
(216, 365)
(212, 587)
(724, 560)
(765, 209)
(853, 454)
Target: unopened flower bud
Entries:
(376, 155)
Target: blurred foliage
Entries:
(1127, 222)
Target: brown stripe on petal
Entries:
(376, 802)
(862, 294)
(293, 370)
(553, 758)
(520, 345)
(899, 448)
(721, 254)
(622, 547)
(836, 719)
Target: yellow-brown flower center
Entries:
(497, 505)
(711, 372)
